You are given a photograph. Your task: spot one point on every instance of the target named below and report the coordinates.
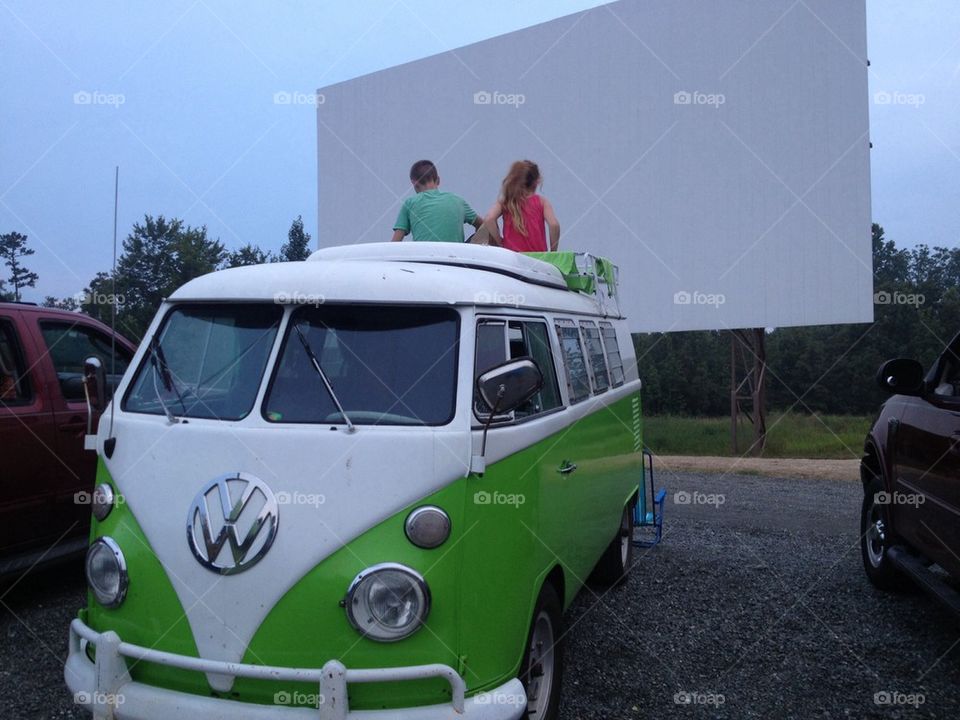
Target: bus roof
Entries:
(414, 273)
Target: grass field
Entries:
(788, 435)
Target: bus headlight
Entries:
(388, 602)
(107, 572)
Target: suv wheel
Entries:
(876, 537)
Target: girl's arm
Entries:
(552, 223)
(490, 222)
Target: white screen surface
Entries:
(718, 151)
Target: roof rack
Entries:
(587, 274)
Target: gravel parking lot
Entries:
(754, 606)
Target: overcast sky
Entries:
(180, 95)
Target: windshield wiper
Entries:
(323, 376)
(161, 369)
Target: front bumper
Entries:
(106, 689)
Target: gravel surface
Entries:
(754, 606)
(772, 467)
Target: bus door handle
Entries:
(566, 467)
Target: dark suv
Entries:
(910, 520)
(46, 474)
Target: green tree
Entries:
(249, 255)
(13, 248)
(159, 255)
(297, 246)
(67, 303)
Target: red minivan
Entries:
(46, 475)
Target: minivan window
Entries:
(613, 353)
(575, 367)
(14, 387)
(598, 364)
(69, 345)
(502, 340)
(206, 361)
(387, 365)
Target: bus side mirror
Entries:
(506, 387)
(95, 392)
(901, 376)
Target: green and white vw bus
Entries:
(366, 485)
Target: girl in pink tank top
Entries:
(524, 212)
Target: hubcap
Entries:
(876, 537)
(540, 667)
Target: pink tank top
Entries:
(536, 239)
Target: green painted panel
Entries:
(566, 520)
(151, 615)
(308, 626)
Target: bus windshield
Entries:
(385, 366)
(206, 361)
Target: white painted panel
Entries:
(759, 196)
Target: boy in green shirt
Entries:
(432, 214)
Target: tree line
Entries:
(823, 369)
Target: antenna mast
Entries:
(113, 304)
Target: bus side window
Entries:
(613, 353)
(578, 383)
(499, 341)
(530, 339)
(598, 363)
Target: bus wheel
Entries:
(617, 559)
(542, 666)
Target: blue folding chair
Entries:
(649, 516)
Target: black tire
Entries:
(541, 669)
(617, 559)
(876, 536)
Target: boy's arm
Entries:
(470, 216)
(402, 226)
(553, 224)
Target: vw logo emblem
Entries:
(236, 510)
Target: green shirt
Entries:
(435, 215)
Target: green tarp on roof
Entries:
(566, 263)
